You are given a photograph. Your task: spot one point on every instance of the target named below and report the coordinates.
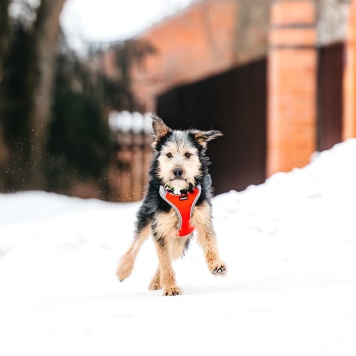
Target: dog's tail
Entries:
(128, 259)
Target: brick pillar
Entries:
(292, 74)
(349, 109)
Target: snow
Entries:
(290, 247)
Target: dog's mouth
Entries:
(178, 180)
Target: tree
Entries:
(4, 36)
(54, 105)
(40, 85)
(26, 92)
(4, 31)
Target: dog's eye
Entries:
(169, 155)
(187, 155)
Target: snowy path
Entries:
(290, 247)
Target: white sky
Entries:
(111, 20)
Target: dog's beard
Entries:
(177, 185)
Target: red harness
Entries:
(183, 205)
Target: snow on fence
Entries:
(130, 156)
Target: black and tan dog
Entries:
(177, 201)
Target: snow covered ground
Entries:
(290, 247)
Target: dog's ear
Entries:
(160, 129)
(203, 137)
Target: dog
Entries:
(177, 201)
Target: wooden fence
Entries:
(130, 156)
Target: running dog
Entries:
(176, 203)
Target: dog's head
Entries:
(180, 154)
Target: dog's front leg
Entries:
(128, 259)
(167, 275)
(207, 239)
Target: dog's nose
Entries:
(178, 172)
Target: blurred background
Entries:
(78, 80)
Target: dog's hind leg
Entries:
(156, 280)
(128, 259)
(207, 239)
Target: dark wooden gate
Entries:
(235, 103)
(330, 92)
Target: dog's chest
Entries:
(167, 223)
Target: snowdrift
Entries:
(290, 247)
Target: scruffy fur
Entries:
(183, 150)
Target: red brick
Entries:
(292, 13)
(291, 128)
(349, 81)
(292, 37)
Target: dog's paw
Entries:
(125, 268)
(154, 285)
(122, 274)
(172, 291)
(219, 269)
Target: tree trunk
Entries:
(4, 42)
(4, 31)
(40, 85)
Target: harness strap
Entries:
(183, 205)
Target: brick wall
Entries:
(292, 67)
(349, 119)
(191, 45)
